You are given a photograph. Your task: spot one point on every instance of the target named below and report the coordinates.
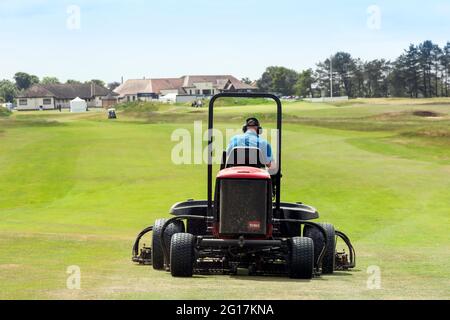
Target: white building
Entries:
(187, 88)
(54, 96)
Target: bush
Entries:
(4, 112)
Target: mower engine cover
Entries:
(243, 195)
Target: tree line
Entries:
(23, 81)
(421, 71)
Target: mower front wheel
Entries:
(182, 255)
(157, 249)
(301, 258)
(328, 262)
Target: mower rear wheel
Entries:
(301, 258)
(182, 255)
(328, 262)
(157, 250)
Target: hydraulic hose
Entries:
(352, 253)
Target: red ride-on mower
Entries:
(245, 225)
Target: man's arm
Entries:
(232, 145)
(267, 151)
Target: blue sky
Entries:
(155, 38)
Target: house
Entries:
(109, 101)
(53, 96)
(187, 88)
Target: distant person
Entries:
(41, 108)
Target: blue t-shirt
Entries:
(251, 139)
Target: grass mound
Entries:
(430, 132)
(139, 107)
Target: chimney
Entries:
(122, 79)
(92, 89)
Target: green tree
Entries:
(246, 80)
(376, 78)
(71, 81)
(445, 62)
(426, 65)
(397, 81)
(359, 79)
(278, 80)
(50, 80)
(409, 63)
(24, 80)
(8, 90)
(113, 85)
(436, 55)
(97, 82)
(304, 85)
(345, 66)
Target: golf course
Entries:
(75, 189)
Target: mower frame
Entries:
(206, 244)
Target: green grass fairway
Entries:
(76, 189)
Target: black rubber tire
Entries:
(182, 255)
(301, 258)
(328, 262)
(158, 260)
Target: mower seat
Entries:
(246, 157)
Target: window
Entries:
(23, 102)
(207, 92)
(47, 101)
(197, 91)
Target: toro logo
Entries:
(254, 225)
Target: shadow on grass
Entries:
(285, 278)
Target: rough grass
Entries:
(4, 112)
(78, 192)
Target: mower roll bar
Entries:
(211, 140)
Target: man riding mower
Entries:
(244, 224)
